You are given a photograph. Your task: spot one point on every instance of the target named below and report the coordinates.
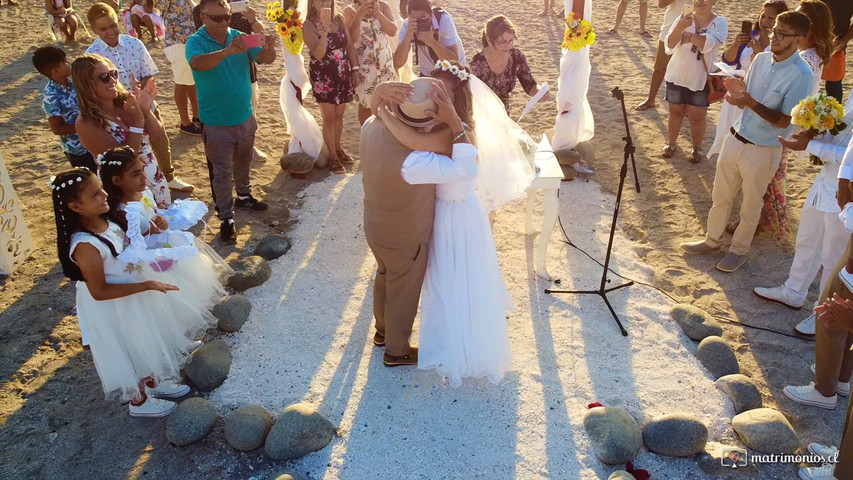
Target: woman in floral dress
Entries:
(370, 24)
(333, 63)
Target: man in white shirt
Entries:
(440, 42)
(672, 12)
(133, 61)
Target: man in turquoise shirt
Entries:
(776, 83)
(220, 63)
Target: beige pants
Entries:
(744, 167)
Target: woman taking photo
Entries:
(112, 117)
(693, 42)
(333, 71)
(500, 63)
(370, 24)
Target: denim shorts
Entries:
(679, 95)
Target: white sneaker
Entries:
(825, 472)
(807, 395)
(843, 388)
(807, 326)
(180, 185)
(846, 278)
(152, 408)
(827, 453)
(260, 157)
(781, 295)
(169, 390)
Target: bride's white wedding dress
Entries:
(463, 330)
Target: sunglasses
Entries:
(219, 18)
(106, 76)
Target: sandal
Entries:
(668, 150)
(697, 155)
(642, 107)
(645, 33)
(344, 157)
(336, 166)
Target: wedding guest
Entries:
(775, 84)
(334, 73)
(500, 63)
(246, 22)
(620, 11)
(438, 42)
(370, 23)
(143, 14)
(739, 57)
(63, 18)
(672, 12)
(548, 9)
(821, 236)
(842, 13)
(693, 42)
(178, 18)
(220, 63)
(60, 104)
(110, 117)
(135, 66)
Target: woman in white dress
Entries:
(463, 331)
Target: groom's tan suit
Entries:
(398, 221)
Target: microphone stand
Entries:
(629, 153)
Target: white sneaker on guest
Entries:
(846, 278)
(843, 388)
(825, 472)
(808, 395)
(169, 390)
(781, 295)
(259, 157)
(827, 452)
(807, 326)
(180, 185)
(152, 408)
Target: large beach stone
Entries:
(272, 247)
(249, 272)
(191, 420)
(696, 323)
(741, 390)
(289, 476)
(208, 366)
(621, 475)
(247, 427)
(297, 432)
(766, 430)
(298, 163)
(232, 311)
(676, 435)
(615, 435)
(717, 356)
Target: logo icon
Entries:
(733, 457)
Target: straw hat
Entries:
(412, 111)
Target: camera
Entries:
(424, 24)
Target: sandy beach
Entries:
(307, 339)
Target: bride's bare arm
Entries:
(438, 141)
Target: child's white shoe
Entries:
(152, 408)
(168, 390)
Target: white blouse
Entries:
(685, 69)
(810, 56)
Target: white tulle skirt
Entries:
(463, 331)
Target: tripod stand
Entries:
(629, 152)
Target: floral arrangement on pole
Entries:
(288, 23)
(579, 33)
(819, 113)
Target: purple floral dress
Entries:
(331, 79)
(156, 180)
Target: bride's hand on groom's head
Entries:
(393, 92)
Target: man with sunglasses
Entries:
(775, 84)
(220, 61)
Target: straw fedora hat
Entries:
(412, 112)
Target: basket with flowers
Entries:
(579, 33)
(819, 113)
(288, 23)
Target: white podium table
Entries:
(548, 178)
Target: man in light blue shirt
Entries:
(775, 84)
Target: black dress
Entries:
(331, 78)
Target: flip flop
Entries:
(613, 31)
(642, 107)
(646, 33)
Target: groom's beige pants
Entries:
(397, 291)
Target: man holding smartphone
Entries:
(434, 35)
(220, 62)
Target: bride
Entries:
(463, 330)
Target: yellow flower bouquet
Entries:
(288, 23)
(579, 33)
(819, 113)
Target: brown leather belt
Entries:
(740, 137)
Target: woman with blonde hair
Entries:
(112, 117)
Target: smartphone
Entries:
(688, 9)
(254, 40)
(326, 16)
(746, 27)
(239, 6)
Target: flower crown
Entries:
(59, 186)
(459, 73)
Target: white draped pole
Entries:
(574, 122)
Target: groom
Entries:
(398, 219)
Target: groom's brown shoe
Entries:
(379, 339)
(395, 361)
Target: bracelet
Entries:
(137, 130)
(355, 68)
(457, 137)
